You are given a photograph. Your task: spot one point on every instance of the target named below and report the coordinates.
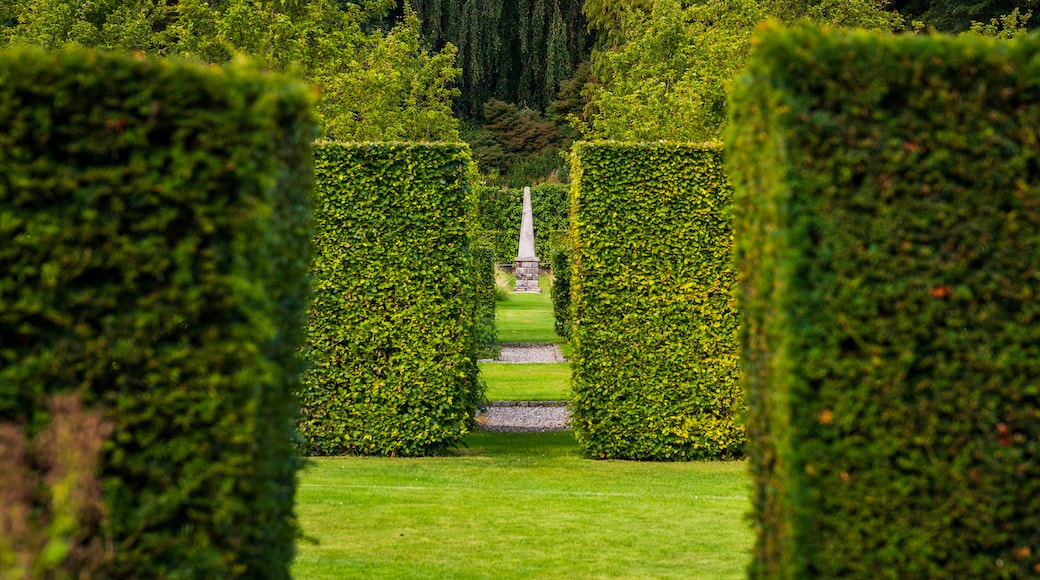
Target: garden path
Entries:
(526, 416)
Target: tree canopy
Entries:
(517, 51)
(665, 66)
(374, 84)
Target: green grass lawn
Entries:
(522, 506)
(525, 317)
(527, 382)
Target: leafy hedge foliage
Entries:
(890, 212)
(154, 235)
(486, 333)
(391, 332)
(560, 248)
(655, 369)
(500, 212)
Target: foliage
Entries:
(960, 16)
(373, 84)
(668, 76)
(153, 253)
(51, 510)
(613, 19)
(887, 194)
(389, 89)
(1011, 25)
(517, 51)
(500, 211)
(486, 335)
(516, 135)
(392, 323)
(655, 358)
(560, 249)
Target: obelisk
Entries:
(526, 264)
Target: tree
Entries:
(517, 51)
(668, 76)
(375, 85)
(959, 15)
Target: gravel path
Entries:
(526, 416)
(519, 352)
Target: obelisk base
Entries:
(526, 270)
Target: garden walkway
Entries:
(526, 416)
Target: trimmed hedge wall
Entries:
(890, 218)
(392, 325)
(655, 368)
(560, 248)
(154, 245)
(486, 333)
(500, 211)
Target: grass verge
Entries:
(525, 317)
(527, 382)
(522, 506)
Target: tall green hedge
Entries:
(655, 369)
(500, 211)
(486, 332)
(560, 255)
(154, 240)
(889, 195)
(391, 332)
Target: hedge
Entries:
(889, 190)
(392, 324)
(500, 210)
(154, 235)
(560, 256)
(485, 332)
(655, 359)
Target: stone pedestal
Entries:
(526, 263)
(526, 270)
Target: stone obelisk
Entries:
(526, 264)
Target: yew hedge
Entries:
(888, 190)
(154, 243)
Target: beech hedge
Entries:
(655, 360)
(560, 252)
(154, 242)
(486, 332)
(888, 190)
(391, 335)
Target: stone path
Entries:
(520, 352)
(526, 416)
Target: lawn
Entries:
(525, 317)
(522, 506)
(527, 382)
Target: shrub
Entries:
(888, 194)
(655, 372)
(153, 253)
(391, 331)
(51, 511)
